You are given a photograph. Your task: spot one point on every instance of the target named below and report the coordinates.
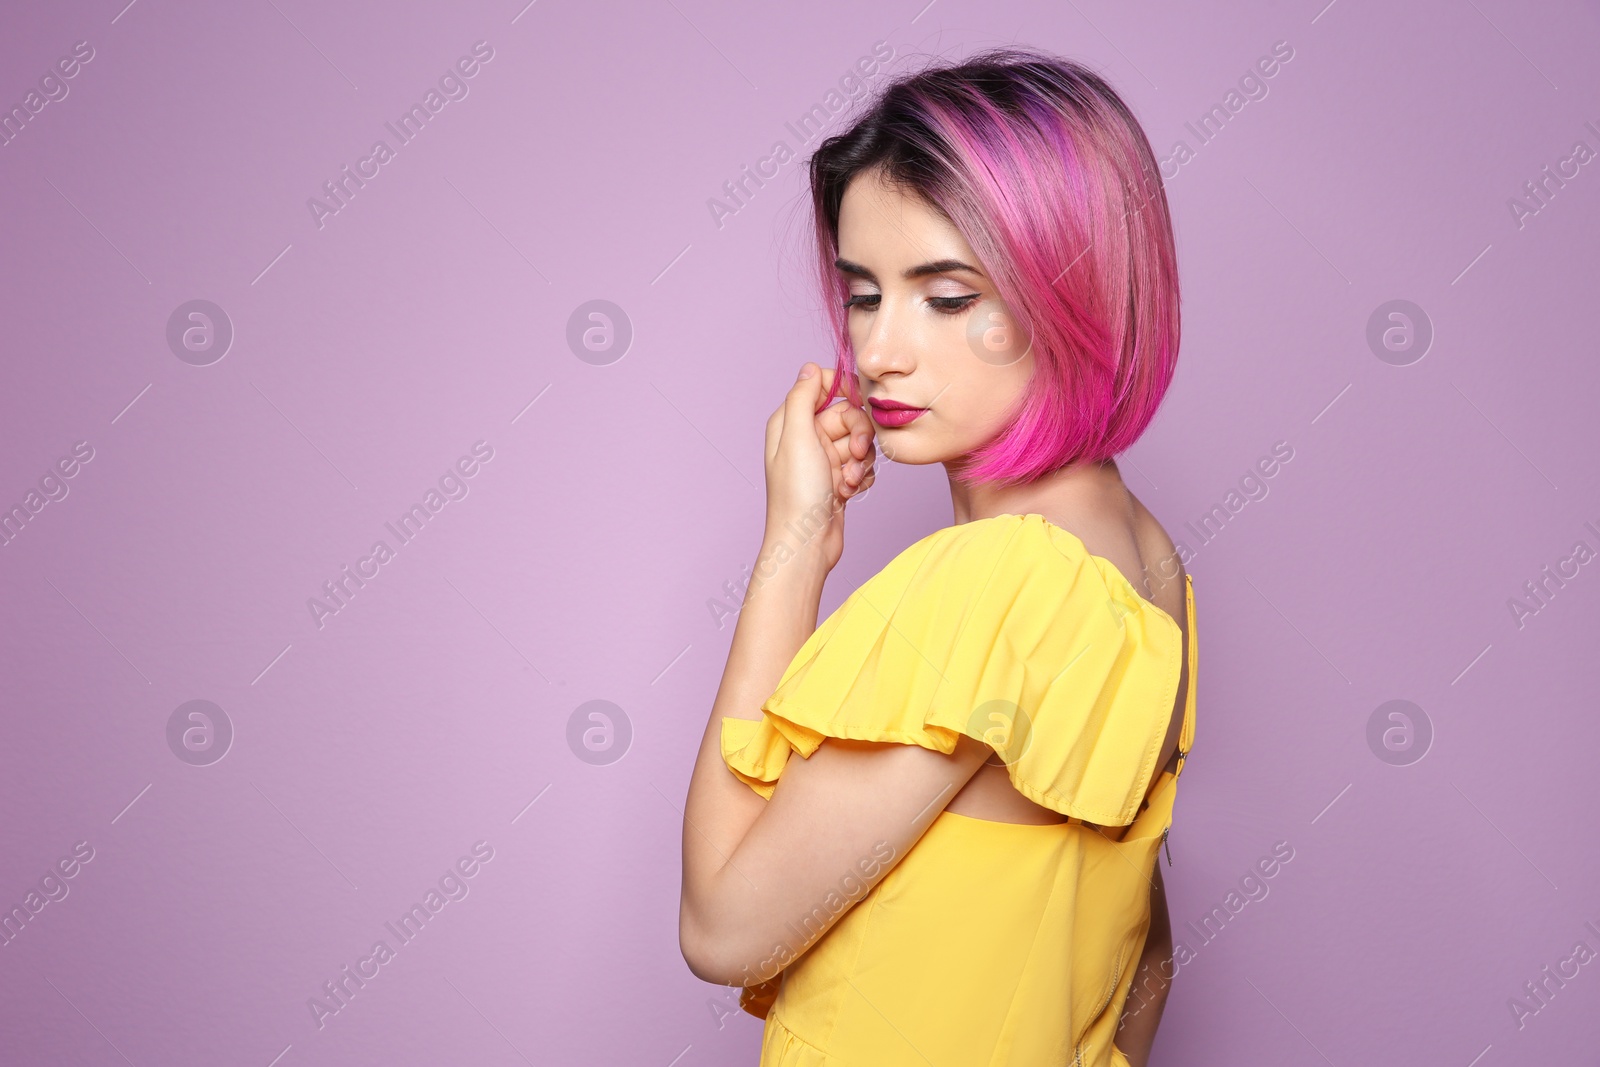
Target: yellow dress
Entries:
(990, 943)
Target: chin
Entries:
(913, 453)
(900, 451)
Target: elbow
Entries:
(723, 957)
(707, 963)
(701, 968)
(731, 941)
(701, 963)
(705, 952)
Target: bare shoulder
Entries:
(1115, 525)
(1161, 575)
(1162, 579)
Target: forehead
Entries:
(881, 224)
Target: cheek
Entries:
(995, 394)
(974, 400)
(855, 328)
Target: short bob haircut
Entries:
(1049, 177)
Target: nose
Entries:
(886, 347)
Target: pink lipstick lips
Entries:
(892, 413)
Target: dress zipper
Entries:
(1164, 834)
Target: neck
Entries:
(1050, 495)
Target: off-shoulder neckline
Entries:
(1144, 601)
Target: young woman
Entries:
(961, 866)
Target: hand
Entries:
(816, 462)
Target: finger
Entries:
(836, 450)
(854, 471)
(861, 430)
(800, 405)
(773, 432)
(841, 487)
(834, 422)
(839, 454)
(869, 467)
(845, 420)
(870, 462)
(837, 440)
(800, 402)
(840, 446)
(840, 398)
(862, 486)
(854, 467)
(866, 483)
(841, 426)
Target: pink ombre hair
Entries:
(1050, 179)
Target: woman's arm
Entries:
(1151, 981)
(779, 613)
(759, 876)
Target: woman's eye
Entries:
(948, 305)
(952, 304)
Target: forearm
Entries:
(778, 615)
(1152, 979)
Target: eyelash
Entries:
(946, 305)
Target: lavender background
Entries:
(434, 710)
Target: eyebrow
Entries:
(938, 266)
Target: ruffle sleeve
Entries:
(1005, 629)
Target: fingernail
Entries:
(806, 372)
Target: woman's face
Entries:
(926, 325)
